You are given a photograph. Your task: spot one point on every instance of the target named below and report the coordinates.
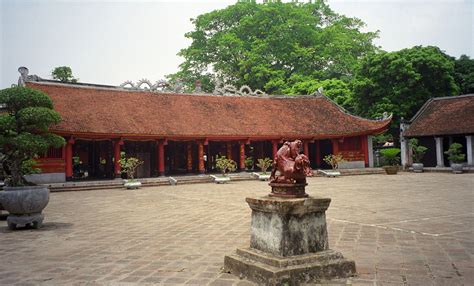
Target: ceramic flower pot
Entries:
(456, 168)
(418, 167)
(391, 170)
(25, 205)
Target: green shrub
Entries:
(454, 153)
(129, 166)
(417, 151)
(225, 165)
(24, 131)
(391, 156)
(264, 164)
(334, 160)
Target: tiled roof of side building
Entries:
(120, 112)
(444, 116)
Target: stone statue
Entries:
(293, 167)
(23, 76)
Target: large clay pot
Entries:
(418, 167)
(391, 170)
(456, 168)
(25, 205)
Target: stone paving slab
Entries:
(408, 229)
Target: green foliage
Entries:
(24, 130)
(63, 74)
(391, 156)
(400, 82)
(225, 165)
(129, 165)
(249, 162)
(382, 138)
(264, 164)
(454, 153)
(266, 45)
(464, 74)
(417, 151)
(334, 160)
(29, 167)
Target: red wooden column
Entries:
(117, 167)
(201, 157)
(242, 156)
(318, 153)
(68, 158)
(305, 148)
(365, 150)
(189, 157)
(160, 153)
(335, 147)
(229, 150)
(274, 148)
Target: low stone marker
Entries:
(288, 235)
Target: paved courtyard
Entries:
(413, 229)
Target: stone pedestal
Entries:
(288, 244)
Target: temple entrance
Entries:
(326, 149)
(92, 160)
(144, 151)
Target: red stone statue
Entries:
(293, 168)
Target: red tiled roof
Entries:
(113, 111)
(444, 116)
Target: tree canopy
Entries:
(266, 45)
(63, 74)
(400, 82)
(24, 130)
(464, 74)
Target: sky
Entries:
(109, 42)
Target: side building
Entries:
(439, 123)
(179, 133)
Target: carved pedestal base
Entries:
(288, 244)
(267, 269)
(35, 220)
(288, 190)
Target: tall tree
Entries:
(263, 45)
(400, 82)
(63, 74)
(464, 74)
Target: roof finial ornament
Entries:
(227, 89)
(23, 76)
(320, 90)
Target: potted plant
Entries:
(129, 166)
(417, 152)
(264, 164)
(456, 157)
(334, 160)
(392, 159)
(248, 163)
(24, 133)
(224, 165)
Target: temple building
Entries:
(180, 133)
(440, 122)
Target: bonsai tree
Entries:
(129, 165)
(417, 151)
(334, 160)
(248, 163)
(63, 74)
(391, 156)
(225, 165)
(25, 117)
(264, 164)
(454, 153)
